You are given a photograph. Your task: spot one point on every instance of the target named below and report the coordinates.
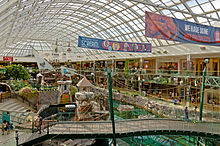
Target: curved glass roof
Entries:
(47, 25)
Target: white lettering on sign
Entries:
(187, 27)
(204, 31)
(195, 29)
(88, 43)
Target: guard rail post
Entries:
(111, 104)
(16, 137)
(48, 128)
(32, 122)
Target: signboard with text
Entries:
(167, 28)
(99, 44)
(7, 58)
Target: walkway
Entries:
(125, 128)
(8, 140)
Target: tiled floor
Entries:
(8, 140)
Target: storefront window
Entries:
(168, 67)
(120, 64)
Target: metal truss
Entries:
(22, 22)
(212, 81)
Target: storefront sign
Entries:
(7, 58)
(93, 43)
(120, 62)
(167, 28)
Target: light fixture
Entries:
(158, 52)
(165, 52)
(203, 48)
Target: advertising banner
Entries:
(167, 28)
(99, 44)
(7, 58)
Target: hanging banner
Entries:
(93, 43)
(167, 28)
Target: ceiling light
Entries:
(165, 52)
(203, 48)
(158, 52)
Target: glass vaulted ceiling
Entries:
(48, 24)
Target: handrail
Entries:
(128, 120)
(24, 99)
(124, 128)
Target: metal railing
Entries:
(169, 72)
(126, 127)
(4, 96)
(163, 108)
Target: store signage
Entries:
(167, 28)
(132, 61)
(93, 43)
(120, 62)
(7, 58)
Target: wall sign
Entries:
(7, 58)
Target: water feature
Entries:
(160, 140)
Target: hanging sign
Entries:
(167, 28)
(93, 43)
(7, 58)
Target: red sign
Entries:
(7, 58)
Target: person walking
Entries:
(11, 127)
(186, 113)
(195, 113)
(5, 127)
(38, 123)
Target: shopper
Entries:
(5, 127)
(41, 122)
(175, 101)
(213, 105)
(38, 123)
(180, 100)
(11, 126)
(186, 114)
(195, 112)
(172, 96)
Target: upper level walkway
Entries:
(124, 128)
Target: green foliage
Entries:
(134, 94)
(27, 92)
(34, 71)
(2, 76)
(16, 85)
(16, 72)
(73, 90)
